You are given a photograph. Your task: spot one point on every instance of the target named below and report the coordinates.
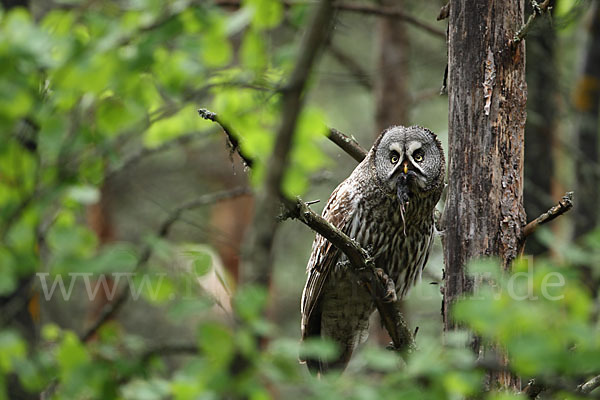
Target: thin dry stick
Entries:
(538, 9)
(348, 144)
(590, 385)
(393, 320)
(390, 13)
(564, 205)
(163, 231)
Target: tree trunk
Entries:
(487, 97)
(587, 104)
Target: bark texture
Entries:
(487, 97)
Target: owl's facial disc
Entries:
(407, 174)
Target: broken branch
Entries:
(564, 205)
(538, 9)
(590, 385)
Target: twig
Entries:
(348, 144)
(590, 385)
(538, 9)
(564, 205)
(390, 13)
(163, 231)
(233, 141)
(444, 12)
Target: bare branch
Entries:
(362, 9)
(590, 385)
(538, 9)
(348, 144)
(363, 264)
(163, 231)
(564, 205)
(444, 12)
(233, 141)
(390, 13)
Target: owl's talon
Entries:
(388, 284)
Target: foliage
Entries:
(86, 83)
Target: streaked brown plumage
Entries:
(387, 205)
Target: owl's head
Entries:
(408, 161)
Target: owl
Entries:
(387, 206)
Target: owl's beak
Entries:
(405, 167)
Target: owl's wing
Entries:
(339, 212)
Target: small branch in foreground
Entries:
(590, 385)
(564, 205)
(538, 9)
(163, 231)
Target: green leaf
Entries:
(249, 302)
(202, 264)
(253, 52)
(84, 194)
(267, 13)
(216, 342)
(12, 349)
(71, 354)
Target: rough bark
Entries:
(587, 104)
(487, 97)
(540, 129)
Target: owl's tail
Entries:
(317, 366)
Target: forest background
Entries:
(111, 183)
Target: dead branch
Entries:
(363, 264)
(163, 231)
(390, 13)
(444, 12)
(348, 144)
(538, 9)
(564, 205)
(233, 141)
(590, 385)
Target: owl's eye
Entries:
(394, 158)
(418, 156)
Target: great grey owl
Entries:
(387, 206)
